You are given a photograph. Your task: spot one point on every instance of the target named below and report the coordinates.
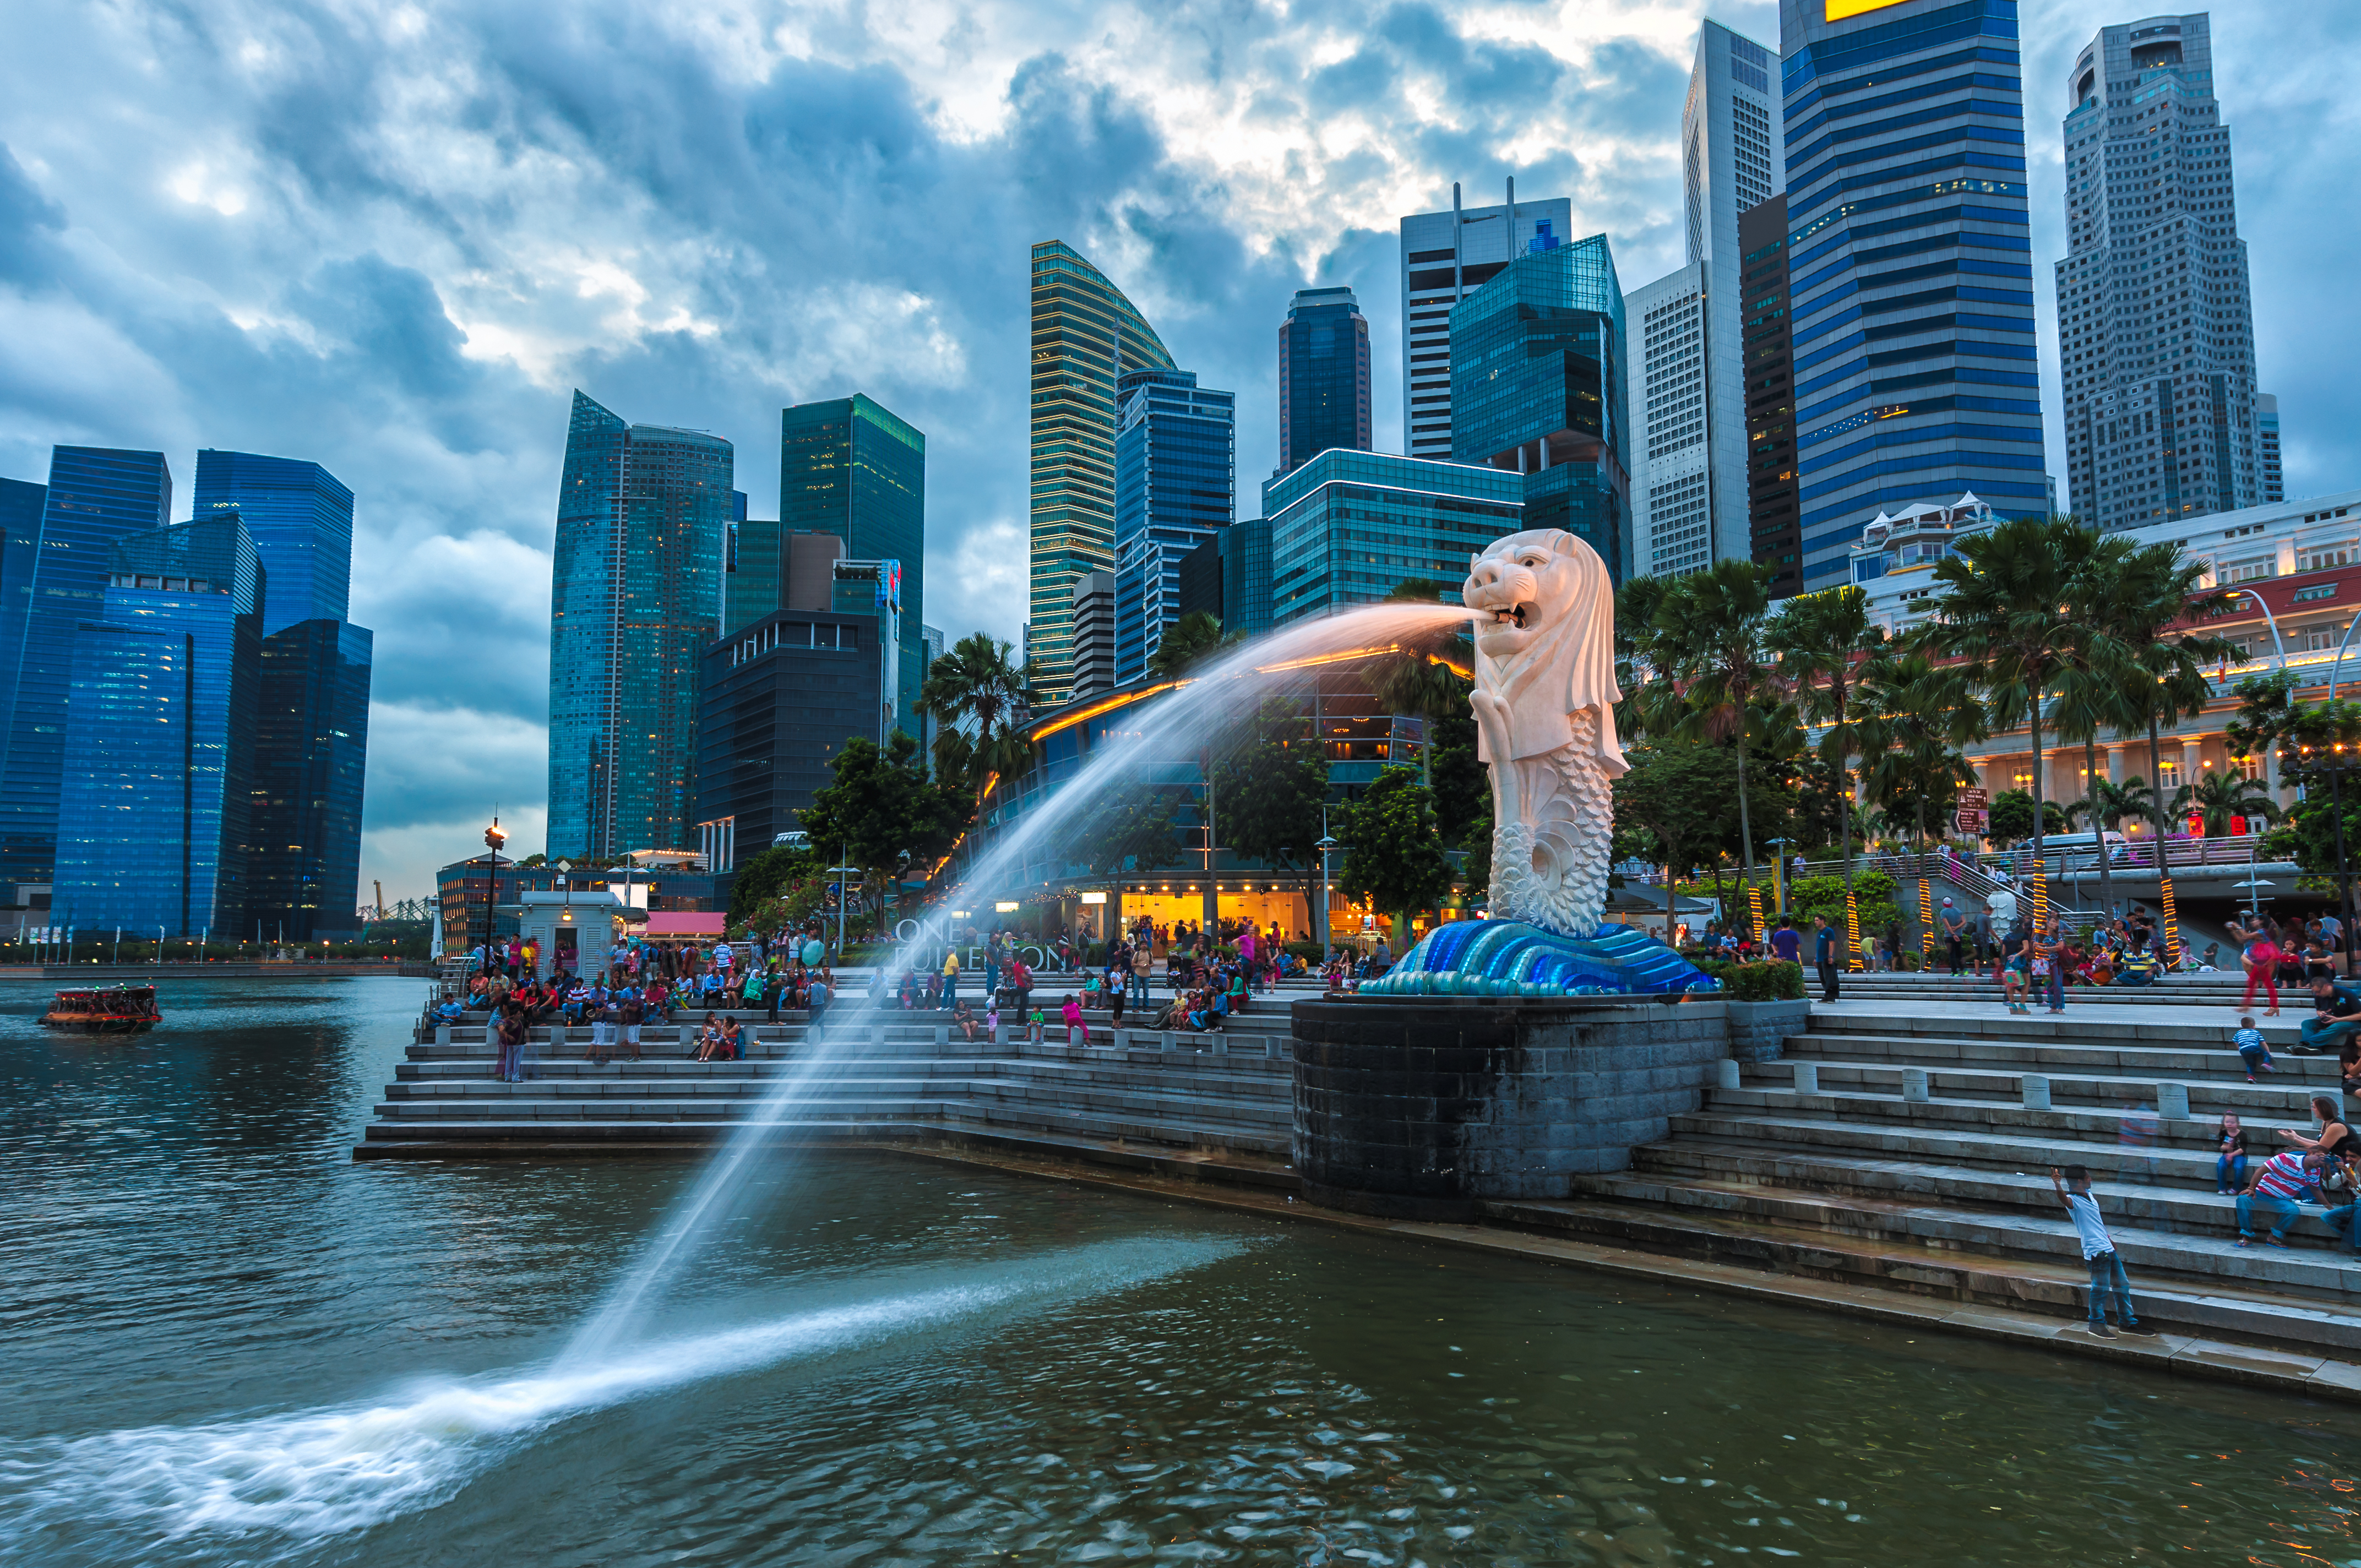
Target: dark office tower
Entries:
(1323, 375)
(21, 505)
(1175, 479)
(851, 467)
(2156, 329)
(1537, 387)
(1767, 363)
(310, 755)
(300, 517)
(635, 599)
(2266, 449)
(95, 496)
(1445, 257)
(756, 572)
(1916, 375)
(154, 802)
(1086, 336)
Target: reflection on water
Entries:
(227, 1343)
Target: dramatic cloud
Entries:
(393, 238)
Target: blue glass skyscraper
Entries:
(1916, 377)
(636, 589)
(1323, 376)
(1537, 387)
(311, 753)
(1175, 485)
(96, 496)
(153, 825)
(300, 517)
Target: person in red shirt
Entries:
(2263, 958)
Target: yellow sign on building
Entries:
(1839, 10)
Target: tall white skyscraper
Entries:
(1665, 402)
(2155, 324)
(1445, 257)
(1732, 157)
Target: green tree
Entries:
(883, 811)
(1187, 643)
(2005, 607)
(767, 875)
(2157, 593)
(2012, 816)
(1918, 713)
(1271, 787)
(1393, 856)
(1717, 675)
(1821, 639)
(1672, 805)
(2108, 804)
(975, 691)
(2217, 798)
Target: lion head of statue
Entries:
(1546, 646)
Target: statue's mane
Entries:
(1570, 668)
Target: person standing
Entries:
(2049, 964)
(2262, 959)
(1786, 941)
(1141, 959)
(1826, 948)
(2072, 1186)
(950, 976)
(1953, 924)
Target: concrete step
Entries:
(2062, 1121)
(851, 1121)
(737, 1097)
(2277, 1098)
(2091, 1055)
(1996, 1023)
(2292, 1315)
(1814, 1129)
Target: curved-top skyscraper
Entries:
(1085, 336)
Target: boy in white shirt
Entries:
(2072, 1186)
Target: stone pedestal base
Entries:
(1424, 1107)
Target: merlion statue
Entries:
(1544, 702)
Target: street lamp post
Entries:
(493, 840)
(1326, 843)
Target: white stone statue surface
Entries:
(1545, 703)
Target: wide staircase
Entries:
(1222, 1095)
(1912, 1150)
(2184, 989)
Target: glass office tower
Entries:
(1916, 376)
(96, 496)
(1775, 538)
(851, 468)
(635, 595)
(2155, 323)
(1175, 483)
(311, 755)
(1444, 258)
(1348, 528)
(153, 808)
(1086, 336)
(1537, 388)
(1323, 375)
(300, 517)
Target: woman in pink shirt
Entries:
(1073, 1013)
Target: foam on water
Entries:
(273, 1483)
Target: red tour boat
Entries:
(119, 1010)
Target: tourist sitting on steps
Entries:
(2278, 1190)
(2335, 1018)
(709, 1039)
(2336, 1138)
(1077, 1032)
(964, 1020)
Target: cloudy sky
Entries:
(392, 238)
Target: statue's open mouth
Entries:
(1513, 616)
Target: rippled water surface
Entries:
(226, 1343)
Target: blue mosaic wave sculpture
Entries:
(1508, 957)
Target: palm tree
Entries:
(2006, 609)
(1916, 715)
(1709, 642)
(1187, 643)
(2107, 804)
(2160, 589)
(1819, 638)
(1420, 680)
(2098, 671)
(2217, 798)
(977, 683)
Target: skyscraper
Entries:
(635, 595)
(2156, 329)
(1776, 540)
(851, 468)
(299, 517)
(1916, 373)
(1672, 502)
(1445, 257)
(311, 760)
(1349, 527)
(1323, 375)
(2266, 447)
(1175, 479)
(1538, 386)
(1086, 336)
(95, 496)
(1733, 158)
(154, 810)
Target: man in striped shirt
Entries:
(2278, 1190)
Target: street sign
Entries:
(1972, 824)
(1974, 799)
